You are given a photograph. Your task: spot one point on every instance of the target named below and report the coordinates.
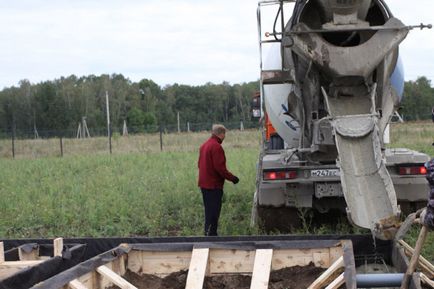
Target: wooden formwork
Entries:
(255, 259)
(28, 256)
(30, 263)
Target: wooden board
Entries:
(337, 283)
(261, 269)
(197, 269)
(424, 265)
(329, 275)
(115, 278)
(2, 252)
(158, 263)
(75, 284)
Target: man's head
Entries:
(219, 131)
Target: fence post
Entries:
(61, 147)
(161, 138)
(109, 132)
(13, 142)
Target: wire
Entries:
(275, 23)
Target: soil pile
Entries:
(288, 278)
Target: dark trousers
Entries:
(212, 201)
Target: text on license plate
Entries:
(325, 173)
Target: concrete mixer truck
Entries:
(331, 80)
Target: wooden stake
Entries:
(327, 276)
(2, 252)
(115, 278)
(424, 264)
(197, 269)
(261, 269)
(415, 258)
(58, 247)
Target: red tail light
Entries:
(279, 175)
(412, 170)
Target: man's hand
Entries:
(235, 180)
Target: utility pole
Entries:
(109, 134)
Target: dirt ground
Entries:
(288, 278)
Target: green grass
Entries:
(152, 194)
(139, 190)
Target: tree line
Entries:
(59, 105)
(418, 99)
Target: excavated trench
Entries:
(288, 278)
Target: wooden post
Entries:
(179, 127)
(61, 146)
(188, 126)
(161, 138)
(13, 143)
(2, 252)
(109, 133)
(58, 247)
(415, 258)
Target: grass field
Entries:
(139, 190)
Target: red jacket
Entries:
(212, 165)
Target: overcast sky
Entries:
(183, 41)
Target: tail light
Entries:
(279, 175)
(412, 170)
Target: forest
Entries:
(56, 107)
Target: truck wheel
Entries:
(279, 220)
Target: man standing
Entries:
(212, 175)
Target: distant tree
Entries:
(418, 99)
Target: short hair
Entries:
(218, 129)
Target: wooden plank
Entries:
(328, 275)
(425, 265)
(338, 282)
(19, 264)
(261, 269)
(197, 269)
(231, 261)
(426, 280)
(115, 278)
(2, 252)
(158, 263)
(75, 284)
(58, 247)
(33, 255)
(321, 257)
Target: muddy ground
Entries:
(288, 278)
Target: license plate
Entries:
(325, 173)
